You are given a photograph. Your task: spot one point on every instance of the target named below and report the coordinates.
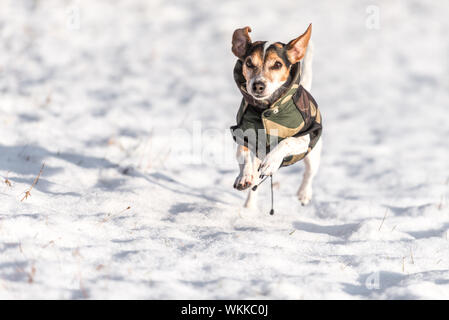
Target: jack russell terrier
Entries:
(278, 122)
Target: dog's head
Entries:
(267, 67)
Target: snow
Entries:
(128, 104)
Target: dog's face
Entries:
(266, 68)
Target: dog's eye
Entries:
(276, 65)
(249, 64)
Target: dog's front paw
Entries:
(243, 182)
(271, 163)
(305, 195)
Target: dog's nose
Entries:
(258, 87)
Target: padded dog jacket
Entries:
(261, 125)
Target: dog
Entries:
(266, 68)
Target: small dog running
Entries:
(278, 122)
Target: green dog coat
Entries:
(261, 125)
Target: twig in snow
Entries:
(28, 192)
(52, 242)
(411, 255)
(46, 102)
(82, 288)
(441, 205)
(7, 182)
(113, 215)
(114, 141)
(386, 211)
(30, 274)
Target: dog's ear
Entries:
(241, 42)
(296, 49)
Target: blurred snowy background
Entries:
(111, 96)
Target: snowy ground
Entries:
(128, 104)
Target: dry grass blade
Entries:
(36, 180)
(82, 288)
(381, 224)
(30, 274)
(52, 242)
(442, 203)
(113, 215)
(7, 182)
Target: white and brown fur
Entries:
(271, 71)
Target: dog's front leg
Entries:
(287, 147)
(248, 176)
(251, 200)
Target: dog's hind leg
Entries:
(312, 163)
(251, 200)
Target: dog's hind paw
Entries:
(305, 195)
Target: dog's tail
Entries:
(306, 68)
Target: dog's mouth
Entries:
(260, 96)
(262, 90)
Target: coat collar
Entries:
(294, 78)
